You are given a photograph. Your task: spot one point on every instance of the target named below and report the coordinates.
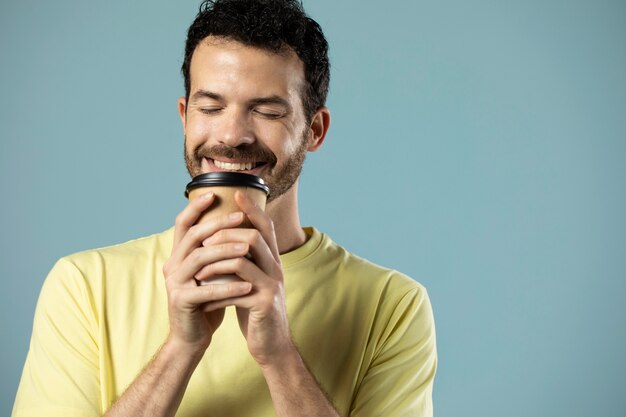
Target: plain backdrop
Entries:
(478, 146)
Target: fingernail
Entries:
(206, 196)
(241, 246)
(236, 215)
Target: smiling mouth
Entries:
(215, 165)
(235, 166)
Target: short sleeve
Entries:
(61, 373)
(399, 381)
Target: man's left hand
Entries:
(261, 313)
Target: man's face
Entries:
(244, 113)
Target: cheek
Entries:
(196, 128)
(278, 137)
(280, 144)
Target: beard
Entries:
(279, 178)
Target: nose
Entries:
(235, 129)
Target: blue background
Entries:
(479, 146)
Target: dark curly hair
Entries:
(273, 25)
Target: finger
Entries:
(199, 258)
(190, 215)
(193, 297)
(259, 249)
(260, 220)
(246, 301)
(242, 267)
(199, 232)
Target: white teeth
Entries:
(233, 166)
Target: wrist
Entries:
(288, 362)
(182, 353)
(294, 389)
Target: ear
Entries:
(318, 129)
(182, 110)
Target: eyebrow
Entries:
(205, 94)
(273, 99)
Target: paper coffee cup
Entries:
(224, 185)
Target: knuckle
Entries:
(209, 291)
(216, 235)
(225, 249)
(237, 263)
(200, 233)
(194, 232)
(195, 256)
(175, 296)
(166, 269)
(180, 218)
(220, 234)
(215, 291)
(253, 237)
(203, 273)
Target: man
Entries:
(310, 330)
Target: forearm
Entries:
(294, 390)
(159, 389)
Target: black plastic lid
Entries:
(239, 179)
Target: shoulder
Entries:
(392, 309)
(344, 275)
(365, 271)
(135, 251)
(87, 268)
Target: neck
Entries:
(284, 213)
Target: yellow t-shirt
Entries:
(366, 333)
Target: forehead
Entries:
(224, 66)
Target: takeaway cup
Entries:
(224, 185)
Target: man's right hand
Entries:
(159, 389)
(191, 328)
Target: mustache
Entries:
(243, 153)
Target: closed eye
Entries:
(210, 110)
(268, 113)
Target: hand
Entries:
(192, 320)
(262, 313)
